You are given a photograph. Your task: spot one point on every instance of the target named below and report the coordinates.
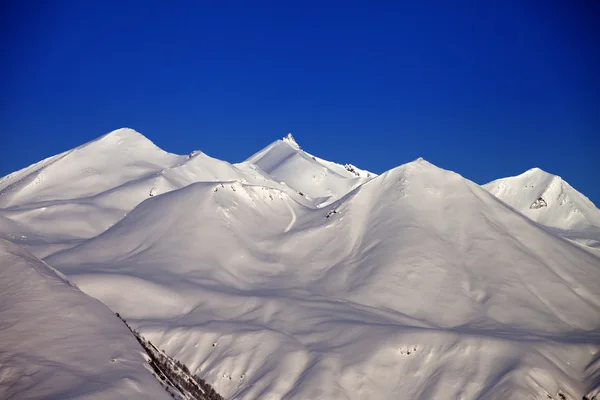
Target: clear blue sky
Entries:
(485, 88)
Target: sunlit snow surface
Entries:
(549, 200)
(58, 343)
(290, 277)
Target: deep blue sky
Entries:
(485, 88)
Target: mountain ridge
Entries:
(289, 277)
(352, 257)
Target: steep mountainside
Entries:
(58, 343)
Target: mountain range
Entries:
(287, 276)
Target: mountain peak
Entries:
(420, 163)
(537, 172)
(121, 135)
(289, 138)
(126, 140)
(106, 162)
(547, 199)
(421, 160)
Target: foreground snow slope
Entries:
(549, 200)
(418, 284)
(58, 343)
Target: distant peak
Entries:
(418, 164)
(536, 170)
(289, 138)
(421, 162)
(123, 132)
(127, 137)
(120, 135)
(540, 173)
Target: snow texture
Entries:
(291, 277)
(58, 343)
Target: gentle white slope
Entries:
(87, 189)
(549, 200)
(86, 171)
(420, 285)
(58, 343)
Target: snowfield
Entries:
(290, 277)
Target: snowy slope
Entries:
(94, 185)
(324, 181)
(549, 200)
(420, 285)
(87, 188)
(95, 167)
(290, 277)
(58, 343)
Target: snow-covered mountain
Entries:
(291, 277)
(56, 342)
(94, 185)
(322, 180)
(550, 201)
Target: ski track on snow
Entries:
(293, 221)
